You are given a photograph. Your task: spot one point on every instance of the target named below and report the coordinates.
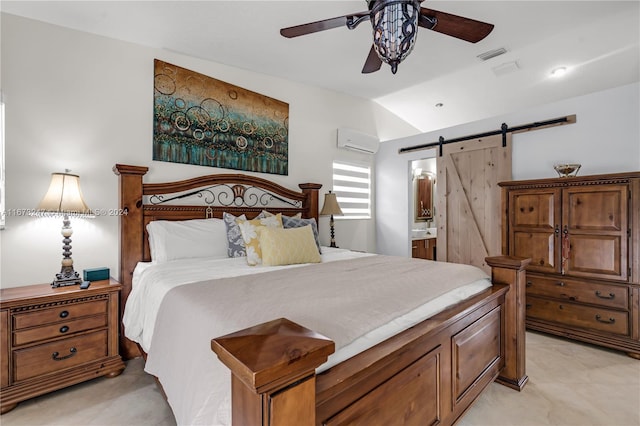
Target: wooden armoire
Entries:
(583, 235)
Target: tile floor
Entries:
(569, 384)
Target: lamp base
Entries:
(67, 275)
(66, 278)
(333, 234)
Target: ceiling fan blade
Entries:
(455, 26)
(373, 62)
(325, 24)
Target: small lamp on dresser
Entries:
(331, 208)
(64, 198)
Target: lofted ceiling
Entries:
(597, 41)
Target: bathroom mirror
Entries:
(423, 196)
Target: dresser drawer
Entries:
(64, 328)
(575, 315)
(63, 312)
(611, 296)
(59, 355)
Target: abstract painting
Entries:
(204, 121)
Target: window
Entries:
(352, 186)
(2, 212)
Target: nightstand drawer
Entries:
(611, 296)
(59, 355)
(63, 312)
(65, 328)
(576, 315)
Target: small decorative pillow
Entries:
(288, 246)
(249, 230)
(234, 236)
(265, 213)
(293, 222)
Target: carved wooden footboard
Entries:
(428, 374)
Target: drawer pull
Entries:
(55, 357)
(610, 321)
(64, 314)
(529, 284)
(609, 297)
(64, 329)
(560, 284)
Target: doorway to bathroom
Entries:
(423, 224)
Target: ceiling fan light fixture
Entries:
(395, 28)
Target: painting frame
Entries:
(204, 121)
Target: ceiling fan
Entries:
(395, 24)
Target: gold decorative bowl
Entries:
(567, 170)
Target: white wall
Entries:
(605, 139)
(84, 102)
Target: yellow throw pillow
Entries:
(249, 230)
(288, 246)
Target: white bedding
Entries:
(151, 281)
(195, 403)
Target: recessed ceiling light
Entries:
(559, 72)
(439, 105)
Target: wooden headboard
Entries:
(197, 198)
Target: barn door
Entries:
(468, 204)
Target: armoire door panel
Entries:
(606, 248)
(539, 246)
(535, 210)
(596, 209)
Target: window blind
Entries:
(352, 186)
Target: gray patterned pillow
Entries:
(234, 236)
(295, 222)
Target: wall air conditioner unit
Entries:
(357, 141)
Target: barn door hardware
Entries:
(504, 129)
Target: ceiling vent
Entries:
(506, 68)
(492, 54)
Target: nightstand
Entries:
(51, 338)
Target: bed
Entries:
(339, 349)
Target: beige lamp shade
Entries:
(64, 196)
(331, 206)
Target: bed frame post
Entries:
(311, 204)
(131, 242)
(273, 380)
(511, 270)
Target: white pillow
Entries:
(180, 239)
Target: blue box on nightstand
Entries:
(95, 274)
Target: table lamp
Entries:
(64, 198)
(331, 207)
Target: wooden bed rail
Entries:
(273, 364)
